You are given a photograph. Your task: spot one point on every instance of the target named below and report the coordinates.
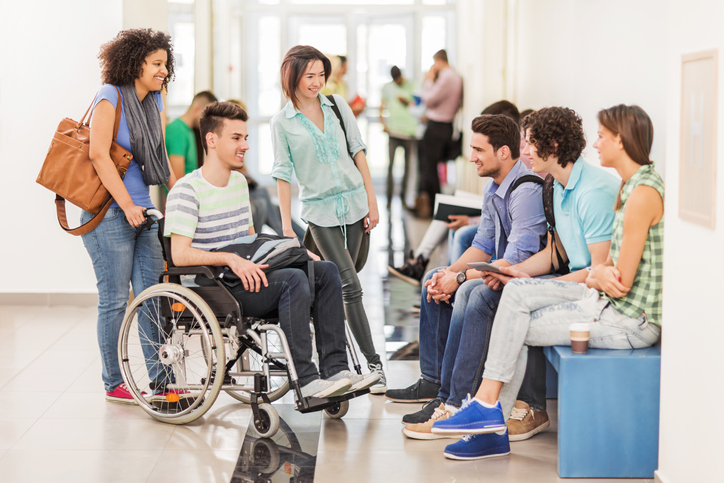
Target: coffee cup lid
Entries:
(580, 326)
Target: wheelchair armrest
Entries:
(206, 270)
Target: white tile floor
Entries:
(56, 426)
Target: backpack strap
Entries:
(335, 108)
(559, 258)
(528, 178)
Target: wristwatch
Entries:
(462, 276)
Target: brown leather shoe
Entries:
(525, 422)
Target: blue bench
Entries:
(608, 412)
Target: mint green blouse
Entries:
(331, 187)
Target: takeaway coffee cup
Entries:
(580, 333)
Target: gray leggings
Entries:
(330, 242)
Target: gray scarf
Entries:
(144, 127)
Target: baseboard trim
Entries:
(658, 478)
(50, 299)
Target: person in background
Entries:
(181, 139)
(140, 63)
(463, 228)
(620, 297)
(336, 84)
(335, 186)
(442, 95)
(400, 126)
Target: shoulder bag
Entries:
(69, 173)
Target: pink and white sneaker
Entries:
(120, 395)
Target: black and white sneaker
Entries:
(381, 386)
(423, 414)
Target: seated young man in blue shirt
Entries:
(511, 226)
(209, 208)
(583, 201)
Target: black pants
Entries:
(330, 242)
(432, 151)
(407, 146)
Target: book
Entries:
(446, 205)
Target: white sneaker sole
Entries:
(407, 279)
(369, 381)
(465, 458)
(378, 389)
(118, 400)
(529, 434)
(336, 389)
(424, 436)
(462, 432)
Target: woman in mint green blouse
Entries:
(335, 186)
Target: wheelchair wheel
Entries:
(170, 348)
(252, 361)
(338, 410)
(268, 423)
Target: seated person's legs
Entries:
(414, 267)
(434, 326)
(288, 293)
(462, 239)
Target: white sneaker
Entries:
(323, 388)
(381, 386)
(359, 381)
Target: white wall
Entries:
(690, 442)
(594, 54)
(591, 55)
(50, 71)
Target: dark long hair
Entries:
(295, 64)
(636, 130)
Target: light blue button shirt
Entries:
(512, 222)
(584, 211)
(331, 187)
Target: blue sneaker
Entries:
(478, 446)
(473, 418)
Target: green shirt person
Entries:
(180, 137)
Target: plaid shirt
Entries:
(645, 294)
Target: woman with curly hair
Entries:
(620, 299)
(135, 67)
(335, 186)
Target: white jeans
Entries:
(539, 312)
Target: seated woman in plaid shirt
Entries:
(621, 299)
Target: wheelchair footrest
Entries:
(312, 404)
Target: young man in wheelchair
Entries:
(209, 208)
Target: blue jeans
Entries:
(435, 323)
(118, 260)
(454, 341)
(535, 312)
(467, 349)
(288, 294)
(460, 240)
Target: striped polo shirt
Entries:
(211, 216)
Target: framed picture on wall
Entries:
(697, 161)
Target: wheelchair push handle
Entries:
(149, 214)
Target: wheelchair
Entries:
(179, 347)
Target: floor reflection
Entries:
(289, 456)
